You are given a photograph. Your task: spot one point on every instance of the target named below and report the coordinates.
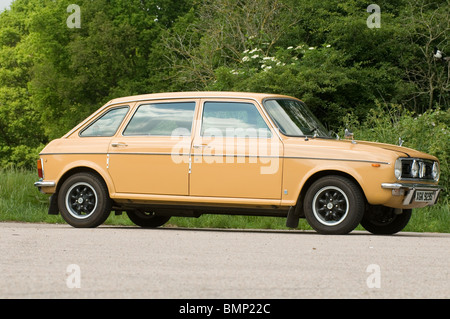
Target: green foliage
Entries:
(22, 156)
(428, 132)
(52, 77)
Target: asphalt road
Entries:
(58, 261)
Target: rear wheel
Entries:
(381, 220)
(147, 219)
(83, 201)
(334, 205)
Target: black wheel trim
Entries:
(330, 205)
(81, 200)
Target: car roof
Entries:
(179, 95)
(196, 94)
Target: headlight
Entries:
(398, 169)
(435, 171)
(422, 170)
(407, 168)
(415, 169)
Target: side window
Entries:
(107, 124)
(162, 119)
(233, 119)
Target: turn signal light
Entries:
(39, 168)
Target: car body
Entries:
(190, 153)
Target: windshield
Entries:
(293, 118)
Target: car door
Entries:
(151, 154)
(234, 152)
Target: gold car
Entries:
(187, 154)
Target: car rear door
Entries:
(151, 153)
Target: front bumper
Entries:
(410, 190)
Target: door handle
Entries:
(119, 144)
(201, 146)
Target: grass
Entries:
(21, 201)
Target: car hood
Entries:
(347, 150)
(408, 152)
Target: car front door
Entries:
(234, 152)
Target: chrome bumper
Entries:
(409, 190)
(41, 183)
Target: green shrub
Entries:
(428, 132)
(21, 156)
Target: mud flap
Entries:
(293, 217)
(53, 208)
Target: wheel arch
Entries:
(80, 169)
(317, 175)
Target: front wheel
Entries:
(381, 220)
(334, 205)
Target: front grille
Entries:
(415, 168)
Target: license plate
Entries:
(424, 196)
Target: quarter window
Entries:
(233, 119)
(162, 119)
(107, 124)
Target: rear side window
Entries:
(107, 124)
(233, 119)
(162, 119)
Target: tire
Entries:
(381, 220)
(147, 219)
(83, 201)
(334, 205)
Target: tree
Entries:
(427, 26)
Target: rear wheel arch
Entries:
(81, 169)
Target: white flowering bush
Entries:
(319, 75)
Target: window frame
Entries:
(276, 126)
(100, 116)
(240, 101)
(152, 102)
